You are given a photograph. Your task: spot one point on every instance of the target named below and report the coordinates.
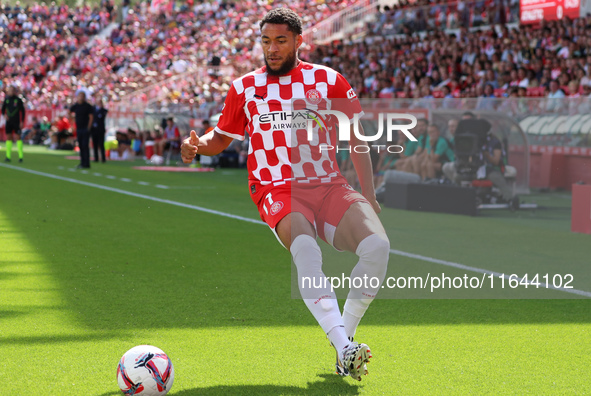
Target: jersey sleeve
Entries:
(233, 120)
(342, 90)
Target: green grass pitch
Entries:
(87, 273)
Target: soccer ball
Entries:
(157, 160)
(145, 370)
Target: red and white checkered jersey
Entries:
(279, 151)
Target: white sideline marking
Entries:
(161, 186)
(249, 220)
(483, 271)
(143, 183)
(132, 194)
(125, 179)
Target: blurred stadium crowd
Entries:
(148, 47)
(182, 58)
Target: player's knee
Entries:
(303, 248)
(327, 304)
(375, 249)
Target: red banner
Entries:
(534, 11)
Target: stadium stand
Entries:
(421, 51)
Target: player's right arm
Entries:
(231, 125)
(210, 144)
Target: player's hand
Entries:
(373, 202)
(189, 148)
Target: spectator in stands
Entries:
(171, 137)
(33, 135)
(60, 131)
(555, 96)
(437, 152)
(45, 127)
(452, 126)
(487, 99)
(411, 157)
(123, 146)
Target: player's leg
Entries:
(347, 221)
(19, 145)
(360, 231)
(299, 236)
(8, 145)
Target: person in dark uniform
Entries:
(13, 110)
(98, 130)
(83, 114)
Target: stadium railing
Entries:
(350, 20)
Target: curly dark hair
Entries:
(283, 16)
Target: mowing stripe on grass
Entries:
(236, 217)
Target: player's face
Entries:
(10, 91)
(280, 48)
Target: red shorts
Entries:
(323, 205)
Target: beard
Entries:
(285, 68)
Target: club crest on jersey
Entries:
(276, 207)
(313, 96)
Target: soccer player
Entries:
(302, 195)
(13, 110)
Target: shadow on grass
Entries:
(330, 385)
(130, 262)
(60, 339)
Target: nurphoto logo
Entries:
(391, 121)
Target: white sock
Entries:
(373, 253)
(316, 291)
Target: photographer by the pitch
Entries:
(495, 160)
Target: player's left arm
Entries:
(362, 164)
